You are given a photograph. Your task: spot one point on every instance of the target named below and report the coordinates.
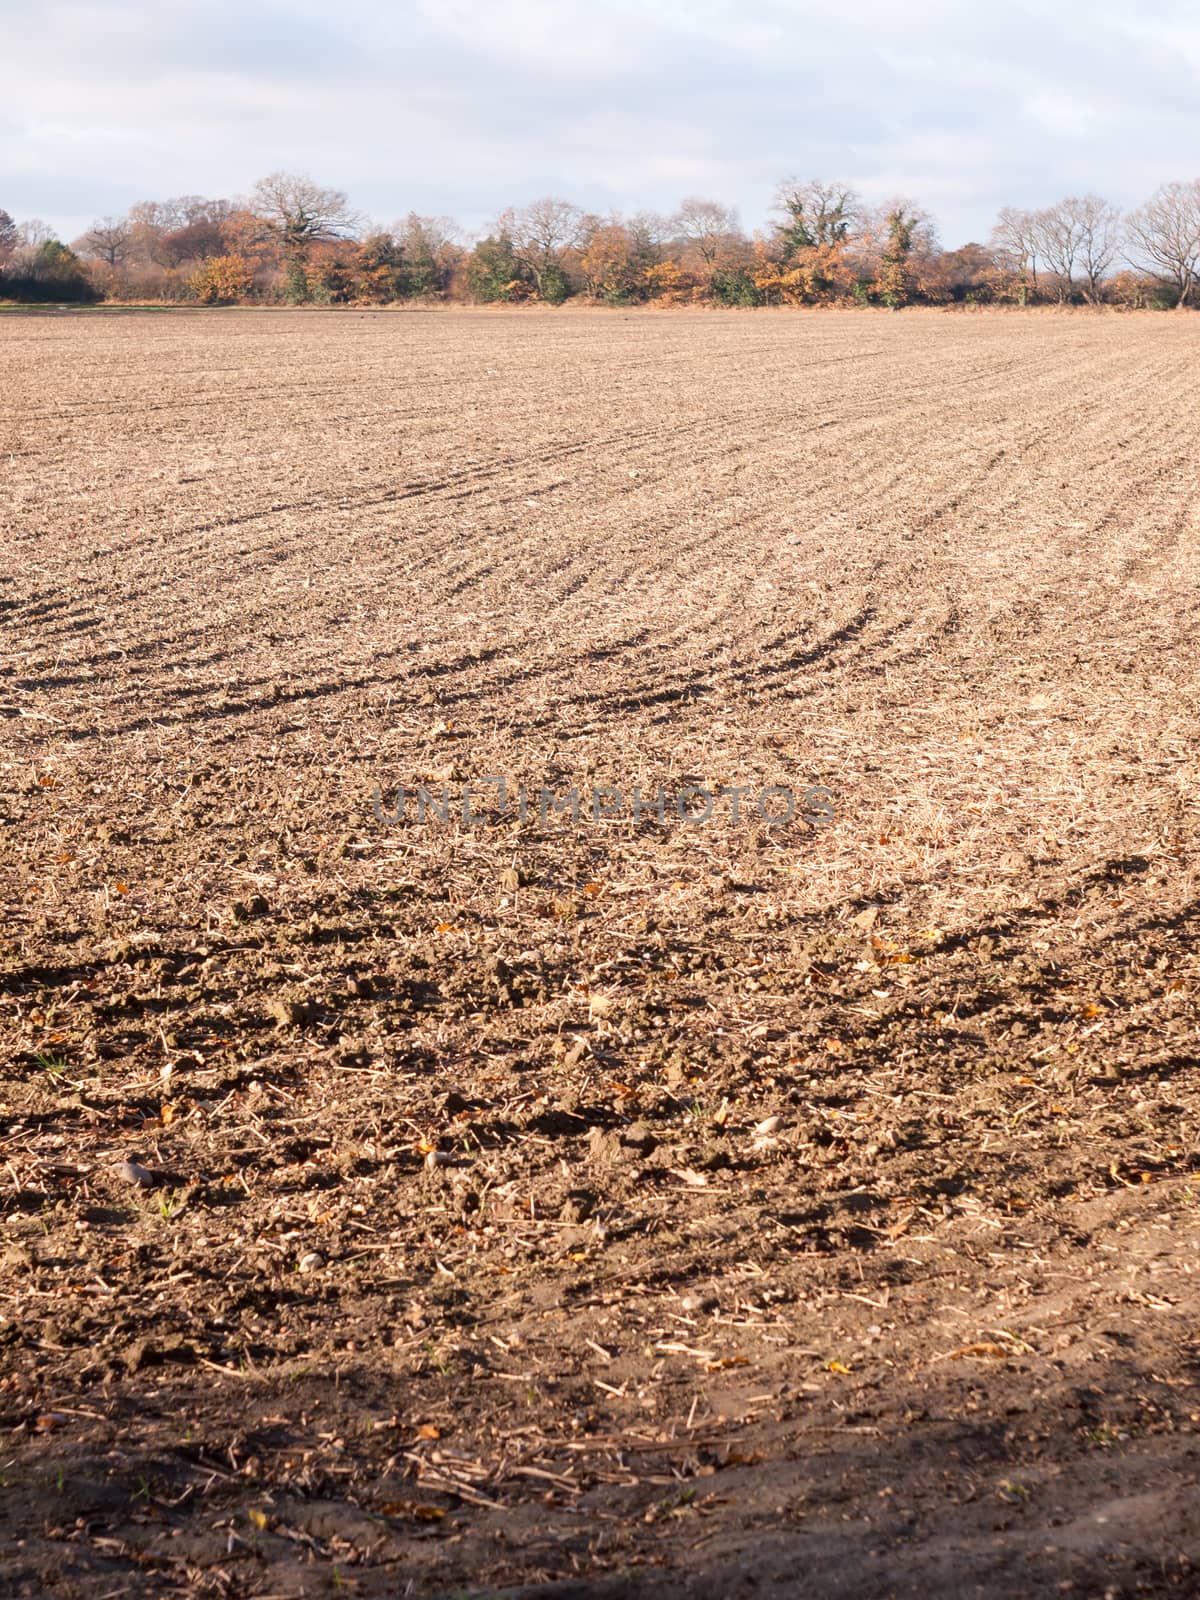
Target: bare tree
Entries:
(540, 235)
(200, 240)
(9, 237)
(186, 210)
(149, 222)
(1164, 235)
(1015, 237)
(34, 232)
(158, 215)
(650, 231)
(108, 240)
(1059, 236)
(1099, 240)
(706, 225)
(186, 228)
(301, 212)
(434, 237)
(1081, 232)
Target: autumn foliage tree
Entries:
(297, 240)
(669, 283)
(616, 261)
(223, 281)
(198, 240)
(819, 274)
(893, 280)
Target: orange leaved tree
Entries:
(222, 281)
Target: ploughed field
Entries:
(695, 1203)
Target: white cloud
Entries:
(449, 105)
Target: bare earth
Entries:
(467, 1259)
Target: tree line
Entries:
(293, 241)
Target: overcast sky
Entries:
(464, 106)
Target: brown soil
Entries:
(464, 1262)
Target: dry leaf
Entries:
(694, 1179)
(406, 1508)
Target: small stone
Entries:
(768, 1126)
(698, 1302)
(312, 1261)
(438, 1158)
(132, 1172)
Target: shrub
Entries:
(554, 288)
(51, 272)
(297, 290)
(493, 271)
(734, 287)
(668, 283)
(222, 281)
